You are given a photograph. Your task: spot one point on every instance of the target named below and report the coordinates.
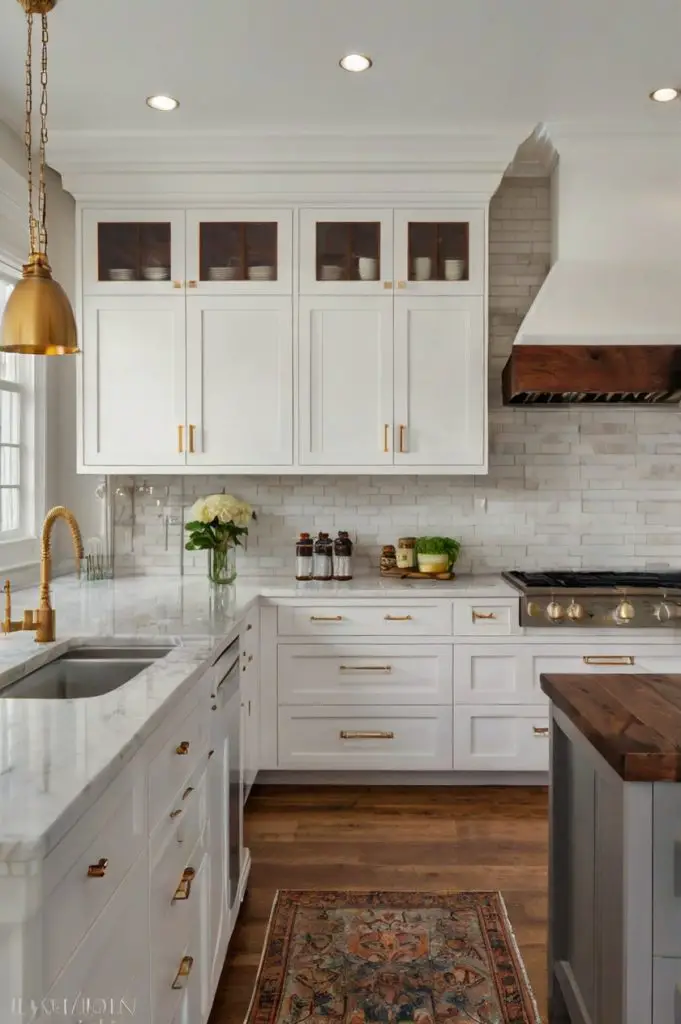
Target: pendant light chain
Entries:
(28, 139)
(42, 195)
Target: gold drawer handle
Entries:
(183, 748)
(365, 668)
(180, 439)
(192, 439)
(397, 618)
(609, 659)
(386, 428)
(98, 870)
(184, 889)
(326, 618)
(176, 814)
(346, 734)
(540, 730)
(403, 430)
(185, 970)
(484, 615)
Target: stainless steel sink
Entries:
(85, 672)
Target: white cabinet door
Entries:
(134, 382)
(501, 738)
(240, 381)
(440, 252)
(133, 252)
(346, 381)
(346, 252)
(240, 251)
(440, 383)
(218, 790)
(496, 674)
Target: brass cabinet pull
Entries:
(609, 659)
(183, 748)
(184, 889)
(326, 618)
(403, 430)
(397, 618)
(188, 792)
(176, 814)
(387, 285)
(401, 284)
(210, 754)
(177, 284)
(249, 626)
(484, 615)
(386, 428)
(180, 439)
(192, 284)
(185, 970)
(540, 730)
(98, 870)
(365, 668)
(192, 439)
(348, 734)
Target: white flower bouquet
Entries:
(216, 524)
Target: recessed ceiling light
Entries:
(664, 95)
(165, 103)
(355, 62)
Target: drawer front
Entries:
(485, 617)
(420, 618)
(501, 739)
(337, 674)
(599, 658)
(366, 738)
(186, 818)
(184, 747)
(495, 674)
(94, 876)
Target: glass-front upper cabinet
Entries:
(133, 251)
(241, 252)
(345, 252)
(440, 252)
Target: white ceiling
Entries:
(257, 64)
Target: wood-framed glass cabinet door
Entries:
(440, 251)
(133, 252)
(233, 251)
(346, 251)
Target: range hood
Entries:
(605, 327)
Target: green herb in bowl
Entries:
(437, 554)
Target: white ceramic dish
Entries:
(122, 274)
(156, 273)
(260, 273)
(330, 272)
(222, 273)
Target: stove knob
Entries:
(555, 611)
(534, 609)
(666, 612)
(576, 611)
(625, 611)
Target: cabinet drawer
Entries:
(95, 874)
(501, 739)
(599, 658)
(184, 746)
(485, 617)
(185, 819)
(364, 738)
(495, 674)
(421, 618)
(337, 674)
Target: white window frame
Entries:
(21, 548)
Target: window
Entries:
(20, 446)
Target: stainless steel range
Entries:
(600, 600)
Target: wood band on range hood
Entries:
(600, 374)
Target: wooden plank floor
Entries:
(323, 837)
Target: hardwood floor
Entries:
(323, 837)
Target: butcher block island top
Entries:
(632, 720)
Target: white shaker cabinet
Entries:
(346, 381)
(133, 378)
(440, 251)
(440, 383)
(239, 381)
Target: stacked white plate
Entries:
(222, 273)
(156, 273)
(331, 272)
(122, 274)
(260, 273)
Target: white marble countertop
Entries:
(58, 756)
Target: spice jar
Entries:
(304, 557)
(342, 556)
(322, 562)
(406, 552)
(388, 558)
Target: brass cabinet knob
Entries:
(192, 284)
(387, 285)
(188, 792)
(401, 284)
(177, 284)
(183, 973)
(540, 730)
(183, 747)
(184, 889)
(249, 626)
(176, 813)
(98, 870)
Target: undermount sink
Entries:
(85, 672)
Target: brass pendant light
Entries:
(38, 317)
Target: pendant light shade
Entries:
(38, 318)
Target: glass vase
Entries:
(222, 564)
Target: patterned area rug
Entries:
(391, 958)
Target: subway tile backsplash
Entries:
(566, 487)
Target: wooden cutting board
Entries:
(414, 574)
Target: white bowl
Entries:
(155, 273)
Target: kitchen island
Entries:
(615, 849)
